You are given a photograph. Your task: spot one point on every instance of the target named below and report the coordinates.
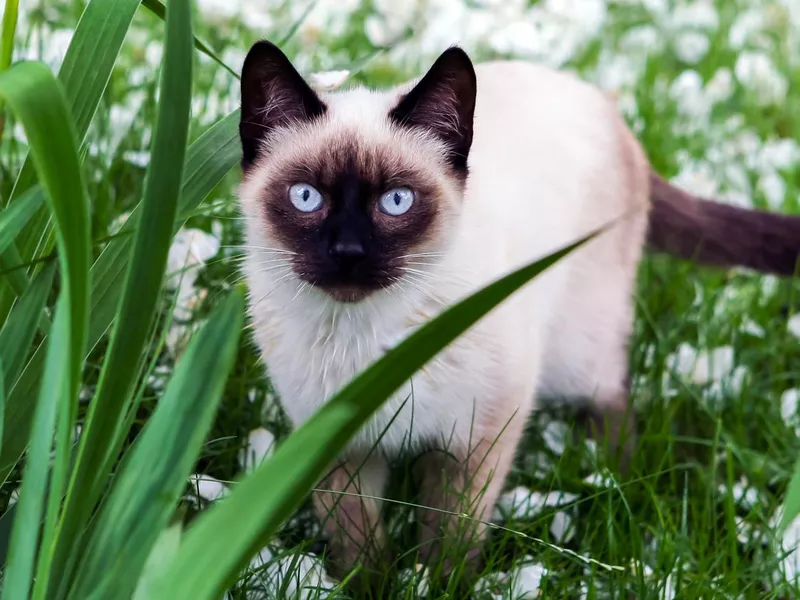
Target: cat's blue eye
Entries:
(396, 202)
(305, 198)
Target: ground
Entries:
(709, 87)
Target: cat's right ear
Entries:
(274, 95)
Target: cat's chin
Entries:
(348, 294)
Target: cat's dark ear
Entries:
(443, 102)
(274, 94)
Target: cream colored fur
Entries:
(550, 161)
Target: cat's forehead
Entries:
(357, 136)
(361, 106)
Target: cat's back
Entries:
(548, 149)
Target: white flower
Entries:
(694, 14)
(788, 544)
(523, 503)
(190, 250)
(526, 581)
(328, 80)
(260, 443)
(789, 401)
(562, 528)
(138, 158)
(217, 11)
(794, 325)
(720, 87)
(417, 578)
(702, 367)
(687, 92)
(206, 487)
(554, 436)
(774, 189)
(691, 46)
(752, 328)
(756, 72)
(743, 493)
(747, 25)
(255, 18)
(300, 576)
(599, 480)
(777, 154)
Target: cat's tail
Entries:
(719, 234)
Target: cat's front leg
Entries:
(347, 503)
(458, 488)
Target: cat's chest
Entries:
(310, 359)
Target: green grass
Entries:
(675, 519)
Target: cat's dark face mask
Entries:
(354, 213)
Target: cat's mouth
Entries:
(348, 294)
(348, 288)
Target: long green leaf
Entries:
(791, 507)
(263, 500)
(142, 285)
(84, 75)
(18, 332)
(2, 399)
(7, 44)
(14, 218)
(210, 158)
(39, 102)
(150, 483)
(25, 530)
(158, 9)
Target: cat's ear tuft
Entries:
(274, 95)
(443, 103)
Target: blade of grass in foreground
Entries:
(791, 507)
(142, 287)
(158, 465)
(222, 540)
(38, 100)
(157, 8)
(7, 47)
(14, 218)
(84, 75)
(210, 158)
(17, 334)
(25, 531)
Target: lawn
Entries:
(711, 90)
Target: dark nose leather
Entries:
(347, 253)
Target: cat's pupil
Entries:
(306, 193)
(397, 199)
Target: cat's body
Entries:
(545, 160)
(313, 345)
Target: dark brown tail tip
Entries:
(722, 235)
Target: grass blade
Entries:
(17, 334)
(7, 37)
(16, 216)
(2, 399)
(84, 75)
(142, 284)
(25, 530)
(161, 459)
(9, 33)
(210, 158)
(39, 102)
(158, 9)
(263, 500)
(791, 507)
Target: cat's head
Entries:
(349, 187)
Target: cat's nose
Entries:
(348, 252)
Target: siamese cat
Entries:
(369, 211)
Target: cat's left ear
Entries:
(274, 95)
(443, 103)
